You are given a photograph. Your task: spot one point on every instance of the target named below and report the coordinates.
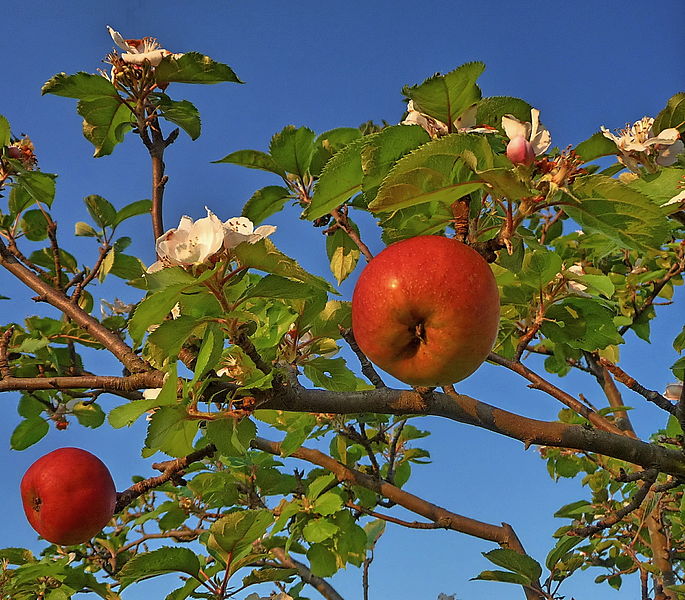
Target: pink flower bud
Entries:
(14, 152)
(520, 151)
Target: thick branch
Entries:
(137, 381)
(319, 584)
(59, 300)
(539, 383)
(465, 409)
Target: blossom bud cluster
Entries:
(198, 242)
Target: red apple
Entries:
(426, 310)
(68, 496)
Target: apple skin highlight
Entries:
(68, 496)
(426, 310)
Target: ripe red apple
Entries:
(426, 310)
(68, 496)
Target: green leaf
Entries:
(340, 179)
(235, 532)
(595, 146)
(266, 202)
(182, 113)
(264, 256)
(28, 432)
(269, 574)
(153, 309)
(622, 214)
(38, 186)
(491, 110)
(435, 171)
(17, 556)
(333, 374)
(158, 562)
(5, 131)
(673, 115)
(105, 122)
(563, 546)
(102, 211)
(171, 431)
(343, 253)
(139, 207)
(679, 341)
(506, 184)
(539, 268)
(126, 266)
(275, 286)
(328, 503)
(318, 530)
(329, 143)
(446, 97)
(210, 350)
(661, 186)
(83, 229)
(253, 159)
(516, 562)
(171, 335)
(322, 560)
(299, 429)
(193, 67)
(34, 225)
(231, 437)
(293, 148)
(383, 149)
(503, 576)
(581, 323)
(89, 415)
(83, 86)
(319, 484)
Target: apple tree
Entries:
(284, 460)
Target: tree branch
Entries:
(539, 383)
(319, 584)
(170, 469)
(465, 409)
(137, 381)
(630, 383)
(368, 370)
(61, 301)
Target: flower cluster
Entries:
(639, 145)
(136, 52)
(198, 242)
(465, 123)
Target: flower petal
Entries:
(669, 155)
(515, 128)
(119, 40)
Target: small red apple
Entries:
(426, 310)
(68, 496)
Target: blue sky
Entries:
(324, 65)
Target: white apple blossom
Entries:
(465, 123)
(533, 132)
(191, 243)
(139, 51)
(240, 229)
(637, 144)
(673, 391)
(575, 286)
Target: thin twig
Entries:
(539, 383)
(396, 521)
(171, 469)
(649, 478)
(368, 369)
(629, 382)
